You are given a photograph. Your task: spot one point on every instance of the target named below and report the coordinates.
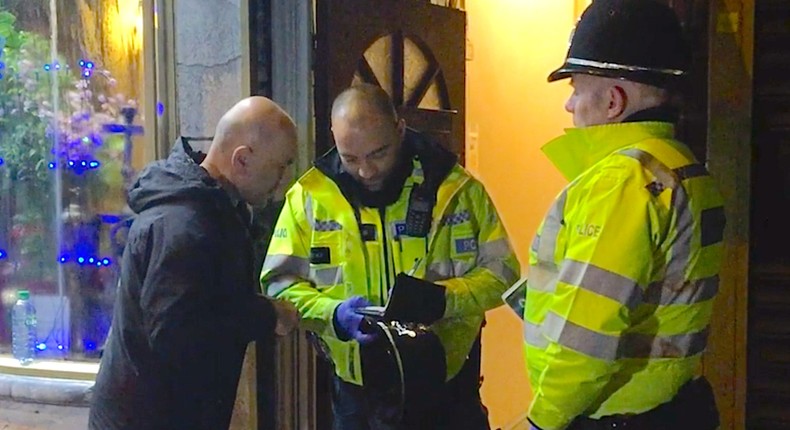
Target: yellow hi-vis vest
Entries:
(623, 272)
(318, 257)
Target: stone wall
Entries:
(208, 62)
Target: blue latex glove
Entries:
(347, 321)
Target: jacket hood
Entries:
(179, 177)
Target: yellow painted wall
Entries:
(511, 112)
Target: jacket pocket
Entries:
(326, 259)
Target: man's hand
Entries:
(287, 317)
(348, 322)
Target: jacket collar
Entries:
(580, 148)
(417, 151)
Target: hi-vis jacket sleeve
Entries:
(605, 255)
(286, 268)
(493, 269)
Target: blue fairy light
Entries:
(52, 165)
(41, 346)
(3, 254)
(47, 67)
(87, 68)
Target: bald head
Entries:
(254, 145)
(255, 121)
(364, 103)
(368, 134)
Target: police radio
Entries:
(420, 212)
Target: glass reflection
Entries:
(70, 138)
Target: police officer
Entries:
(624, 268)
(387, 208)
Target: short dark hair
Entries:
(372, 96)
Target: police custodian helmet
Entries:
(635, 40)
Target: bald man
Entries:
(187, 304)
(389, 210)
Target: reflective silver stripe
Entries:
(492, 255)
(308, 210)
(284, 264)
(601, 281)
(446, 269)
(580, 339)
(535, 243)
(630, 345)
(439, 270)
(533, 335)
(665, 175)
(680, 252)
(327, 275)
(551, 229)
(503, 271)
(460, 268)
(543, 277)
(277, 284)
(638, 345)
(691, 292)
(615, 66)
(494, 250)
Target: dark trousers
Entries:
(693, 408)
(356, 409)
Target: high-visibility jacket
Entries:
(623, 273)
(318, 257)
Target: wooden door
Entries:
(411, 48)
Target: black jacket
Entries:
(186, 307)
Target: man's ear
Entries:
(618, 102)
(240, 158)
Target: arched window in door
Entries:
(407, 70)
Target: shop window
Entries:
(72, 135)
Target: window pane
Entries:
(71, 137)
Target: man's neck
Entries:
(663, 113)
(216, 173)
